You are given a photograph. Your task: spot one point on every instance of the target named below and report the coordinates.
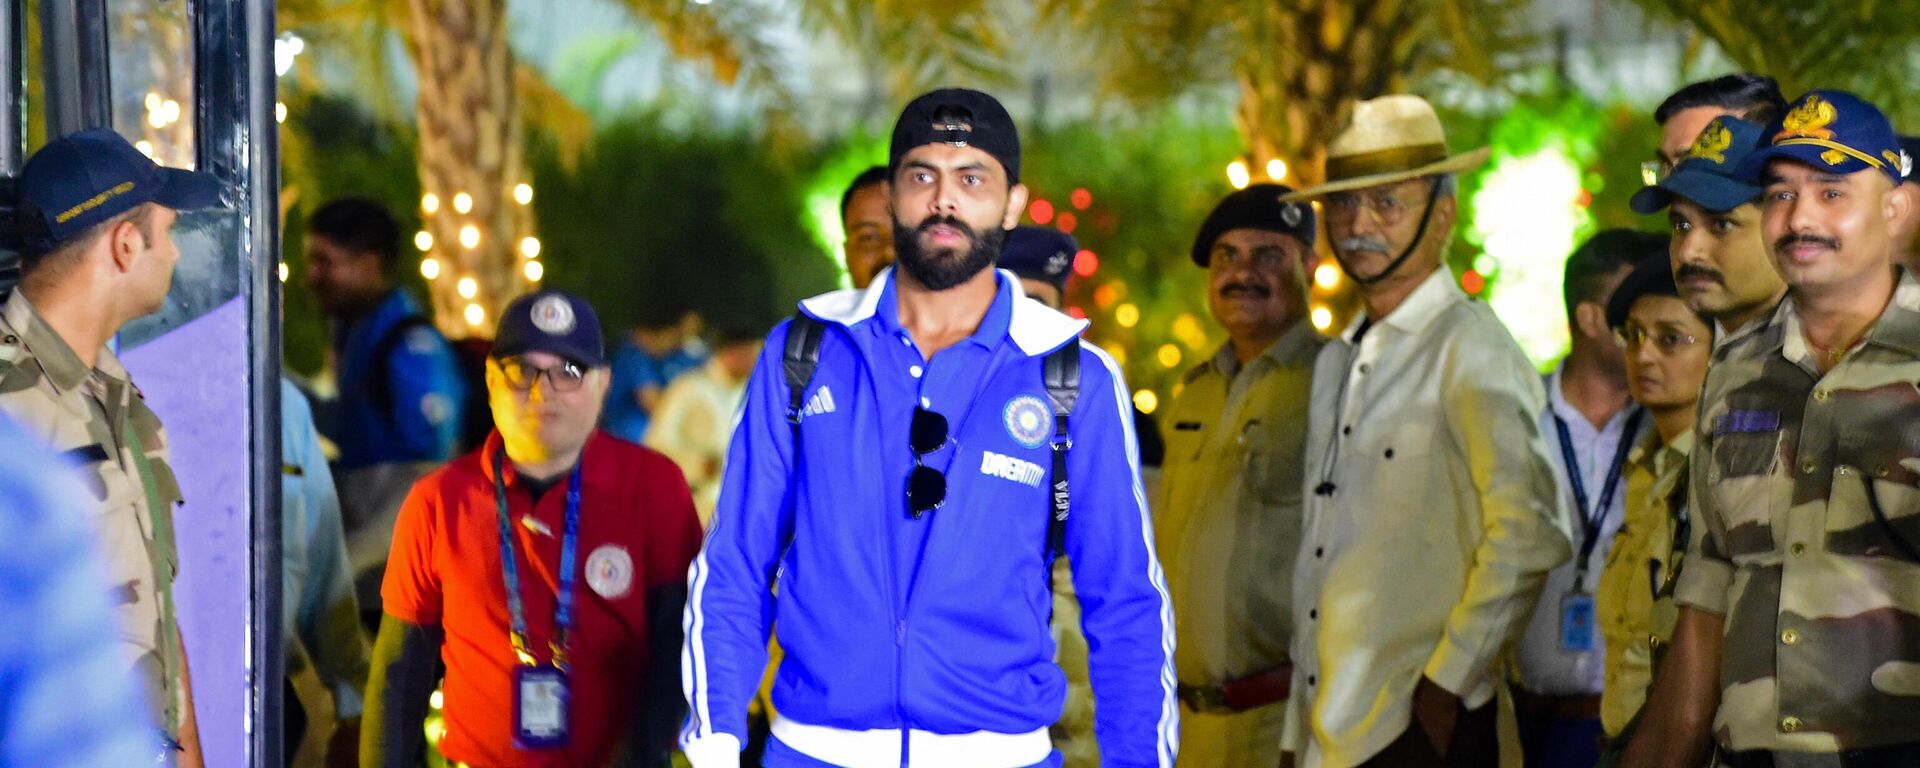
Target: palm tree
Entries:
(1866, 47)
(1297, 64)
(474, 104)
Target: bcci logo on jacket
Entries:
(1026, 419)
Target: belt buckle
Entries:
(1204, 698)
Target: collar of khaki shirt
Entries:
(1659, 458)
(1297, 346)
(1898, 328)
(1433, 295)
(56, 358)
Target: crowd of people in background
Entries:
(922, 523)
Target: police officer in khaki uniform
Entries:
(1799, 626)
(1228, 514)
(94, 218)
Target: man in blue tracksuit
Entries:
(904, 509)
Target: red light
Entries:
(1472, 282)
(1076, 313)
(1585, 199)
(1066, 223)
(1082, 198)
(1084, 262)
(1040, 211)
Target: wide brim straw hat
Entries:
(1389, 140)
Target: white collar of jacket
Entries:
(1034, 327)
(1434, 294)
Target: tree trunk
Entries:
(470, 142)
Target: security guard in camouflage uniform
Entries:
(1227, 519)
(1806, 550)
(93, 219)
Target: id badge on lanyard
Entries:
(540, 693)
(1577, 613)
(539, 707)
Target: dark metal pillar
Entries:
(74, 54)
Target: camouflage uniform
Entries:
(1822, 649)
(1635, 604)
(1227, 527)
(95, 419)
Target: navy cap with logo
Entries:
(1039, 253)
(1708, 175)
(1256, 207)
(962, 118)
(555, 322)
(85, 178)
(1832, 131)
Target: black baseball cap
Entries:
(973, 119)
(85, 178)
(1039, 253)
(555, 322)
(1256, 207)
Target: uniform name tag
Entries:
(1733, 422)
(539, 707)
(1576, 622)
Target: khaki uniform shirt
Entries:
(1822, 608)
(84, 415)
(1635, 602)
(1227, 522)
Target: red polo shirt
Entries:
(638, 531)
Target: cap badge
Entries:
(1290, 213)
(1833, 157)
(1712, 143)
(1809, 120)
(552, 315)
(1057, 263)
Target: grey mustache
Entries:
(1357, 243)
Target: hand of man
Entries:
(1435, 710)
(343, 749)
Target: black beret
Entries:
(1256, 207)
(1653, 276)
(1039, 253)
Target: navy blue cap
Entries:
(1653, 276)
(1039, 253)
(977, 120)
(555, 322)
(1256, 207)
(1708, 174)
(85, 178)
(1833, 131)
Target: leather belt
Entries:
(1889, 756)
(1239, 695)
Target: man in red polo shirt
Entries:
(546, 569)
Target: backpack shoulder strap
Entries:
(381, 383)
(799, 359)
(1061, 372)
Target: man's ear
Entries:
(1591, 320)
(1016, 205)
(125, 244)
(1900, 206)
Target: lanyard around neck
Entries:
(1592, 517)
(510, 570)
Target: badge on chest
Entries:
(539, 707)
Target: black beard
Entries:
(945, 268)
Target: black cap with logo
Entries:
(962, 118)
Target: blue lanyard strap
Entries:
(1592, 517)
(510, 569)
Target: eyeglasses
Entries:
(1652, 172)
(565, 377)
(1634, 337)
(1390, 207)
(926, 487)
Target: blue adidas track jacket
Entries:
(925, 642)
